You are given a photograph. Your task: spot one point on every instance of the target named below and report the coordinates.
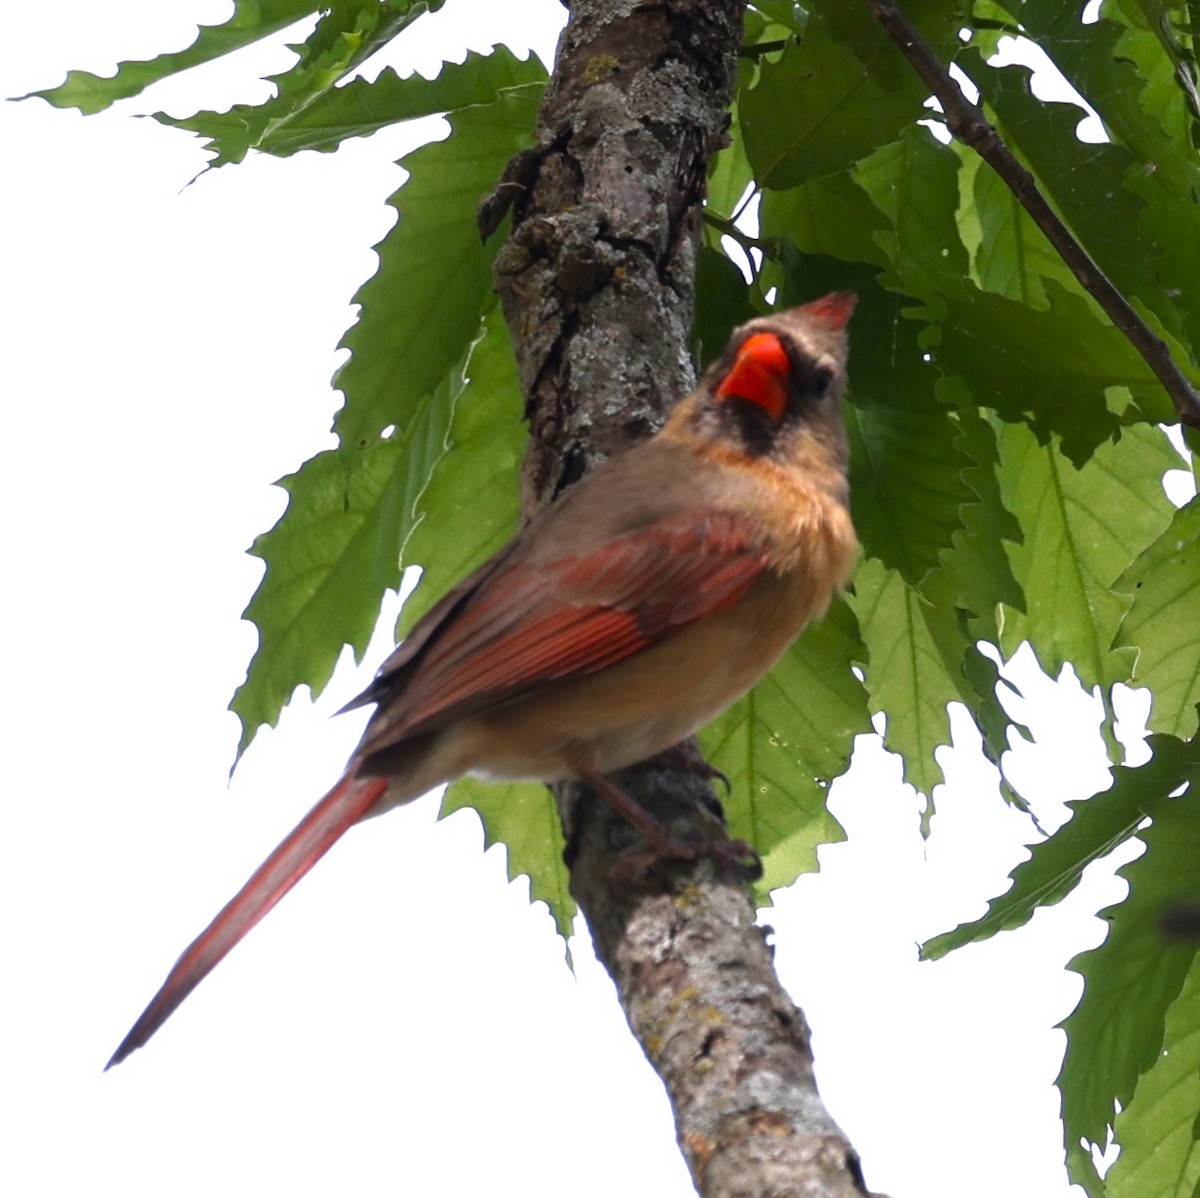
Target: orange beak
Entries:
(759, 375)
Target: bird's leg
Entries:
(736, 854)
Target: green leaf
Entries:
(1116, 1033)
(1013, 257)
(1156, 43)
(974, 573)
(522, 816)
(1163, 624)
(832, 98)
(783, 12)
(906, 470)
(1160, 1155)
(252, 20)
(783, 743)
(1132, 77)
(722, 302)
(470, 505)
(284, 126)
(1096, 827)
(1073, 174)
(421, 310)
(906, 486)
(1083, 527)
(914, 183)
(1051, 369)
(333, 553)
(357, 517)
(914, 668)
(831, 215)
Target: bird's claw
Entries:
(734, 855)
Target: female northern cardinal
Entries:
(639, 606)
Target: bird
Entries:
(642, 603)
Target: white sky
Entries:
(403, 1022)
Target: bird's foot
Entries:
(686, 757)
(661, 845)
(734, 855)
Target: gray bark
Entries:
(597, 283)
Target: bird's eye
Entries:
(822, 380)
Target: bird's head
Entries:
(776, 391)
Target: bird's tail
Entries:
(348, 802)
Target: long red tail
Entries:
(307, 843)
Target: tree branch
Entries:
(968, 123)
(597, 283)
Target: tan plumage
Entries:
(639, 606)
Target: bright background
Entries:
(404, 1022)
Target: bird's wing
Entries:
(527, 624)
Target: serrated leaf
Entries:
(331, 556)
(906, 482)
(1049, 368)
(1164, 622)
(1168, 65)
(1086, 183)
(835, 96)
(914, 668)
(914, 183)
(1116, 1033)
(1133, 78)
(359, 108)
(783, 743)
(974, 574)
(831, 215)
(906, 471)
(1160, 1155)
(1083, 527)
(985, 685)
(251, 21)
(1013, 257)
(522, 816)
(1096, 827)
(469, 507)
(421, 310)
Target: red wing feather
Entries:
(531, 624)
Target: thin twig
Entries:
(760, 49)
(728, 227)
(967, 122)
